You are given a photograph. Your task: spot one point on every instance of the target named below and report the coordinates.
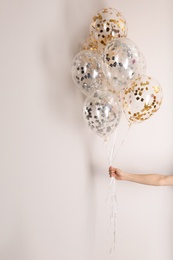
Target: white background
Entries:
(53, 170)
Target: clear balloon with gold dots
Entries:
(107, 25)
(141, 99)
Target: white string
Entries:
(113, 147)
(113, 190)
(125, 136)
(113, 199)
(113, 214)
(110, 155)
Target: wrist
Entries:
(126, 176)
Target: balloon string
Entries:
(113, 191)
(113, 147)
(121, 145)
(113, 199)
(114, 213)
(110, 156)
(107, 152)
(110, 153)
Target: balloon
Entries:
(102, 112)
(87, 71)
(141, 99)
(120, 62)
(90, 44)
(142, 65)
(107, 25)
(106, 86)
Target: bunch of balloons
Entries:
(110, 71)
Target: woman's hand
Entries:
(117, 173)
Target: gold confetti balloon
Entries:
(90, 44)
(107, 25)
(141, 99)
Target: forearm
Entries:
(150, 179)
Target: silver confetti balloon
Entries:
(87, 71)
(120, 62)
(102, 112)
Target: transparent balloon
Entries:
(120, 62)
(87, 71)
(142, 66)
(106, 86)
(107, 25)
(141, 99)
(90, 44)
(102, 112)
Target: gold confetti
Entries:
(156, 89)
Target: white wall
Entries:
(53, 170)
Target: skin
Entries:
(147, 179)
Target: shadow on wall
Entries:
(59, 47)
(64, 100)
(58, 50)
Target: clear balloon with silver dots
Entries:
(87, 71)
(102, 112)
(120, 62)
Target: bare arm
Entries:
(151, 179)
(148, 179)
